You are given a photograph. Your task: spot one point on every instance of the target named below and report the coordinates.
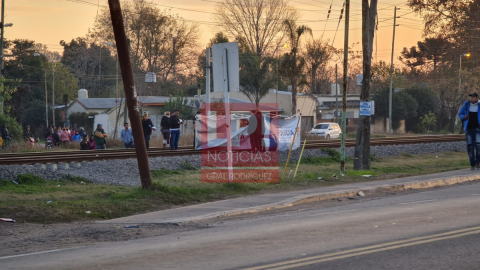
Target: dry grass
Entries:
(185, 140)
(27, 201)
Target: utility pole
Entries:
(46, 93)
(130, 92)
(345, 85)
(362, 145)
(390, 94)
(125, 108)
(336, 93)
(1, 48)
(53, 96)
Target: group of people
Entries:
(57, 136)
(170, 128)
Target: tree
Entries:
(404, 106)
(186, 107)
(429, 119)
(93, 65)
(259, 22)
(431, 49)
(427, 102)
(160, 42)
(255, 77)
(362, 146)
(317, 55)
(292, 65)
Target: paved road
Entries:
(437, 229)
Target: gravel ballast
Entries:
(125, 171)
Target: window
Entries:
(322, 126)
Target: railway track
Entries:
(78, 156)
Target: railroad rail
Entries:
(78, 156)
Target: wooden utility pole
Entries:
(345, 86)
(130, 93)
(362, 146)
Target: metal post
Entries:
(336, 93)
(345, 86)
(291, 147)
(227, 116)
(125, 107)
(53, 96)
(459, 76)
(99, 68)
(390, 94)
(130, 93)
(1, 49)
(207, 81)
(300, 158)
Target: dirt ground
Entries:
(21, 238)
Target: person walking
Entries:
(147, 126)
(175, 121)
(127, 136)
(92, 142)
(471, 126)
(84, 144)
(165, 128)
(100, 138)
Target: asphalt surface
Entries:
(436, 229)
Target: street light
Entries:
(466, 55)
(8, 25)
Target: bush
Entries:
(30, 179)
(14, 128)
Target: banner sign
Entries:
(254, 136)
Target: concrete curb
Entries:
(439, 182)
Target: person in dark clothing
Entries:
(175, 121)
(255, 130)
(28, 136)
(85, 144)
(5, 135)
(147, 126)
(165, 128)
(471, 125)
(56, 137)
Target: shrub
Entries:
(30, 179)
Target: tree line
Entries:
(276, 51)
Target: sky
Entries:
(50, 21)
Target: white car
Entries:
(327, 130)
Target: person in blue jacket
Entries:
(471, 125)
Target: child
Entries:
(92, 142)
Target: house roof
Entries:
(107, 103)
(97, 103)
